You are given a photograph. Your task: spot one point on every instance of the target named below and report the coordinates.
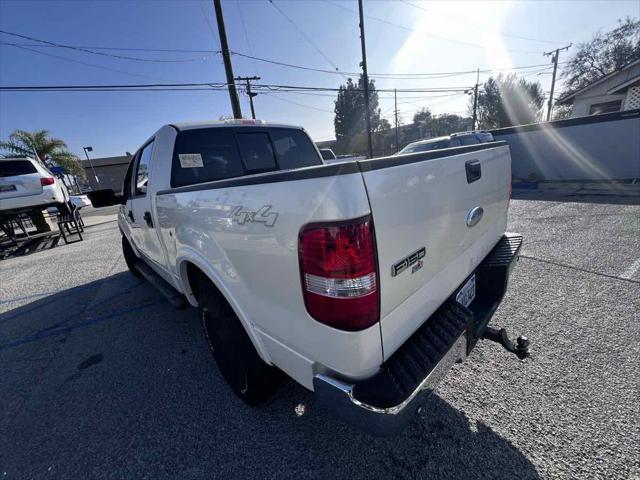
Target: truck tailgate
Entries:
(435, 220)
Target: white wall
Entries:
(600, 147)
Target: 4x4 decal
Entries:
(263, 215)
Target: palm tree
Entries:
(22, 144)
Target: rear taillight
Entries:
(339, 273)
(47, 181)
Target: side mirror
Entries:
(105, 198)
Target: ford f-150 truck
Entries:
(363, 281)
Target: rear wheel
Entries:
(130, 257)
(249, 377)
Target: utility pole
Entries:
(233, 93)
(395, 103)
(250, 94)
(475, 101)
(554, 58)
(366, 79)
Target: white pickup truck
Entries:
(363, 281)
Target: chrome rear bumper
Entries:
(385, 403)
(338, 397)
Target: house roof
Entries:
(628, 83)
(602, 79)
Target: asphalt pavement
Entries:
(100, 378)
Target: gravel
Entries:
(100, 378)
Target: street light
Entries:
(90, 149)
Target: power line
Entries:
(484, 28)
(412, 30)
(299, 104)
(303, 33)
(127, 49)
(246, 34)
(94, 52)
(206, 20)
(140, 75)
(218, 85)
(389, 76)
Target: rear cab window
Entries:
(256, 151)
(12, 168)
(468, 140)
(218, 153)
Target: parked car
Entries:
(363, 281)
(27, 186)
(327, 154)
(449, 141)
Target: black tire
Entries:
(130, 257)
(250, 378)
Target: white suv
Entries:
(26, 185)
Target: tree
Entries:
(560, 112)
(605, 53)
(508, 100)
(448, 123)
(49, 150)
(350, 120)
(422, 115)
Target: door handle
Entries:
(130, 215)
(473, 169)
(148, 219)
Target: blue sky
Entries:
(404, 37)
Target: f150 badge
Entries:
(263, 215)
(414, 260)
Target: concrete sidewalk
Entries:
(96, 216)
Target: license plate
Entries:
(468, 292)
(7, 188)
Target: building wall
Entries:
(600, 147)
(598, 93)
(110, 172)
(582, 105)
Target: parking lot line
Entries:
(585, 270)
(630, 272)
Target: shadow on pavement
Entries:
(576, 197)
(105, 380)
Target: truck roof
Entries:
(231, 123)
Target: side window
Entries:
(142, 170)
(294, 148)
(256, 151)
(606, 107)
(454, 142)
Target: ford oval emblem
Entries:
(474, 216)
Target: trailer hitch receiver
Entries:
(520, 348)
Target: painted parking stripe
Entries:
(630, 272)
